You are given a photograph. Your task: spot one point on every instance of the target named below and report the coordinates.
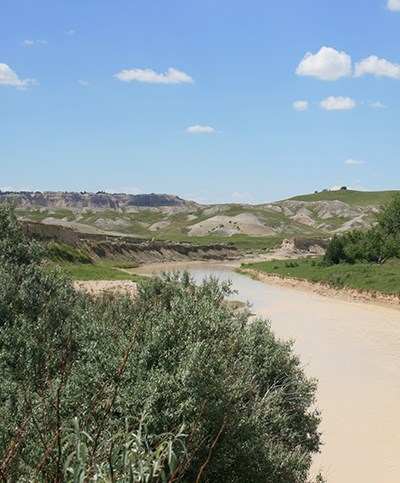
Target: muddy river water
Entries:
(353, 349)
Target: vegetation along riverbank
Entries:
(366, 262)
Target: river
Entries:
(353, 349)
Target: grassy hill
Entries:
(351, 197)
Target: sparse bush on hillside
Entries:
(90, 387)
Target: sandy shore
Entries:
(349, 294)
(97, 287)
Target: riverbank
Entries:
(99, 287)
(348, 294)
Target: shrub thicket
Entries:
(175, 386)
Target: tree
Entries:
(375, 245)
(389, 217)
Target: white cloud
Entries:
(300, 105)
(326, 64)
(377, 67)
(14, 190)
(201, 129)
(354, 161)
(69, 32)
(172, 76)
(377, 105)
(127, 191)
(83, 82)
(338, 103)
(9, 78)
(196, 198)
(394, 5)
(241, 196)
(34, 42)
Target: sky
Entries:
(217, 101)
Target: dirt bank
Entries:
(365, 296)
(98, 287)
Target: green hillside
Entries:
(351, 197)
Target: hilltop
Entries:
(164, 216)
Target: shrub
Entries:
(79, 373)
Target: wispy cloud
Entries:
(69, 33)
(300, 105)
(338, 103)
(377, 105)
(29, 42)
(83, 82)
(14, 190)
(354, 161)
(172, 76)
(377, 67)
(241, 196)
(326, 64)
(128, 191)
(394, 5)
(201, 129)
(9, 78)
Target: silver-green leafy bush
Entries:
(76, 372)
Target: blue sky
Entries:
(213, 100)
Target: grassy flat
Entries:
(364, 276)
(98, 271)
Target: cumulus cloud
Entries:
(377, 105)
(300, 105)
(326, 64)
(354, 161)
(338, 103)
(394, 5)
(172, 76)
(201, 129)
(29, 42)
(9, 78)
(377, 67)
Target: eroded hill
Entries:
(170, 217)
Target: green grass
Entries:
(241, 242)
(364, 276)
(67, 253)
(98, 271)
(351, 197)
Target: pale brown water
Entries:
(353, 350)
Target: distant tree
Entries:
(375, 245)
(343, 188)
(335, 253)
(389, 217)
